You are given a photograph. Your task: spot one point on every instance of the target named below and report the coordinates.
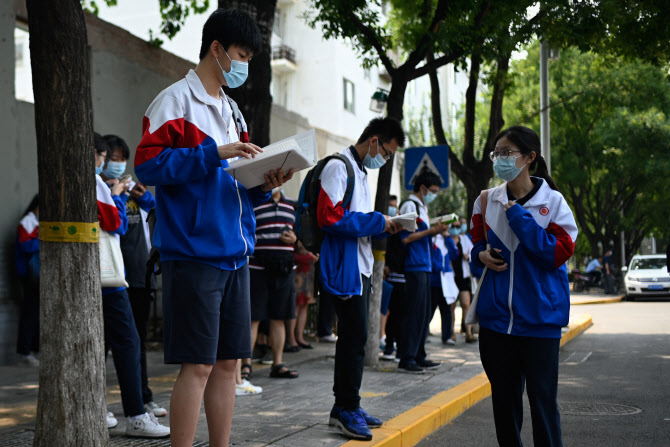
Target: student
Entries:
(524, 299)
(27, 259)
(120, 331)
(135, 247)
(416, 308)
(346, 264)
(205, 224)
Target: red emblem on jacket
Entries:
(544, 211)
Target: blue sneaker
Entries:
(372, 422)
(353, 425)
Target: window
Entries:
(23, 76)
(277, 25)
(366, 74)
(349, 95)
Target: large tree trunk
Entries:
(254, 96)
(394, 109)
(71, 405)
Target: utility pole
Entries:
(544, 103)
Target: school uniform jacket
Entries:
(346, 251)
(530, 298)
(112, 216)
(419, 252)
(202, 213)
(27, 242)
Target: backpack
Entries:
(306, 224)
(396, 251)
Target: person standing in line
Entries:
(135, 247)
(416, 307)
(609, 272)
(304, 291)
(461, 266)
(346, 264)
(524, 299)
(27, 260)
(444, 253)
(205, 224)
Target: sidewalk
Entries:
(295, 412)
(595, 296)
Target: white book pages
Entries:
(406, 221)
(447, 219)
(297, 152)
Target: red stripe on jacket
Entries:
(108, 216)
(177, 133)
(328, 214)
(565, 246)
(477, 230)
(24, 236)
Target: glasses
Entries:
(387, 157)
(503, 155)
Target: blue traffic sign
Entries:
(420, 159)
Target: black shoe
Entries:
(429, 364)
(411, 368)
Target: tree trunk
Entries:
(253, 97)
(394, 109)
(71, 403)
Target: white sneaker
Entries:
(146, 426)
(247, 389)
(111, 420)
(328, 339)
(152, 407)
(29, 360)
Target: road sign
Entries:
(420, 159)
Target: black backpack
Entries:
(396, 251)
(306, 225)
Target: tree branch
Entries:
(373, 39)
(421, 50)
(470, 107)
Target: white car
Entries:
(647, 275)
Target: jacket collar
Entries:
(198, 90)
(541, 197)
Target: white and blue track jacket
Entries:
(531, 298)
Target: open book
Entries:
(447, 219)
(406, 221)
(297, 152)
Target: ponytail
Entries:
(542, 171)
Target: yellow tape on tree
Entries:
(379, 255)
(69, 231)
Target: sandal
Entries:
(277, 373)
(246, 370)
(305, 345)
(289, 348)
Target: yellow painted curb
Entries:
(409, 428)
(599, 301)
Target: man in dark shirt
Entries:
(608, 266)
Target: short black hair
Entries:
(100, 143)
(386, 129)
(427, 179)
(228, 27)
(115, 141)
(392, 197)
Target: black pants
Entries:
(352, 334)
(29, 320)
(140, 302)
(394, 320)
(512, 363)
(437, 300)
(325, 316)
(416, 312)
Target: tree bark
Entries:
(253, 97)
(71, 403)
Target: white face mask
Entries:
(376, 162)
(238, 72)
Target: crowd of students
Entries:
(235, 274)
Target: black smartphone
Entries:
(496, 255)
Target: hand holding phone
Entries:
(495, 255)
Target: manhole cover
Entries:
(596, 409)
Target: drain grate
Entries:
(596, 409)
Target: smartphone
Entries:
(495, 255)
(124, 178)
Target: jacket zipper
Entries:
(511, 291)
(246, 247)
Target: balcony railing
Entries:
(283, 52)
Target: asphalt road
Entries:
(614, 386)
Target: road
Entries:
(620, 365)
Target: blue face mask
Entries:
(114, 169)
(376, 162)
(454, 231)
(238, 72)
(464, 228)
(98, 170)
(429, 197)
(393, 211)
(506, 169)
